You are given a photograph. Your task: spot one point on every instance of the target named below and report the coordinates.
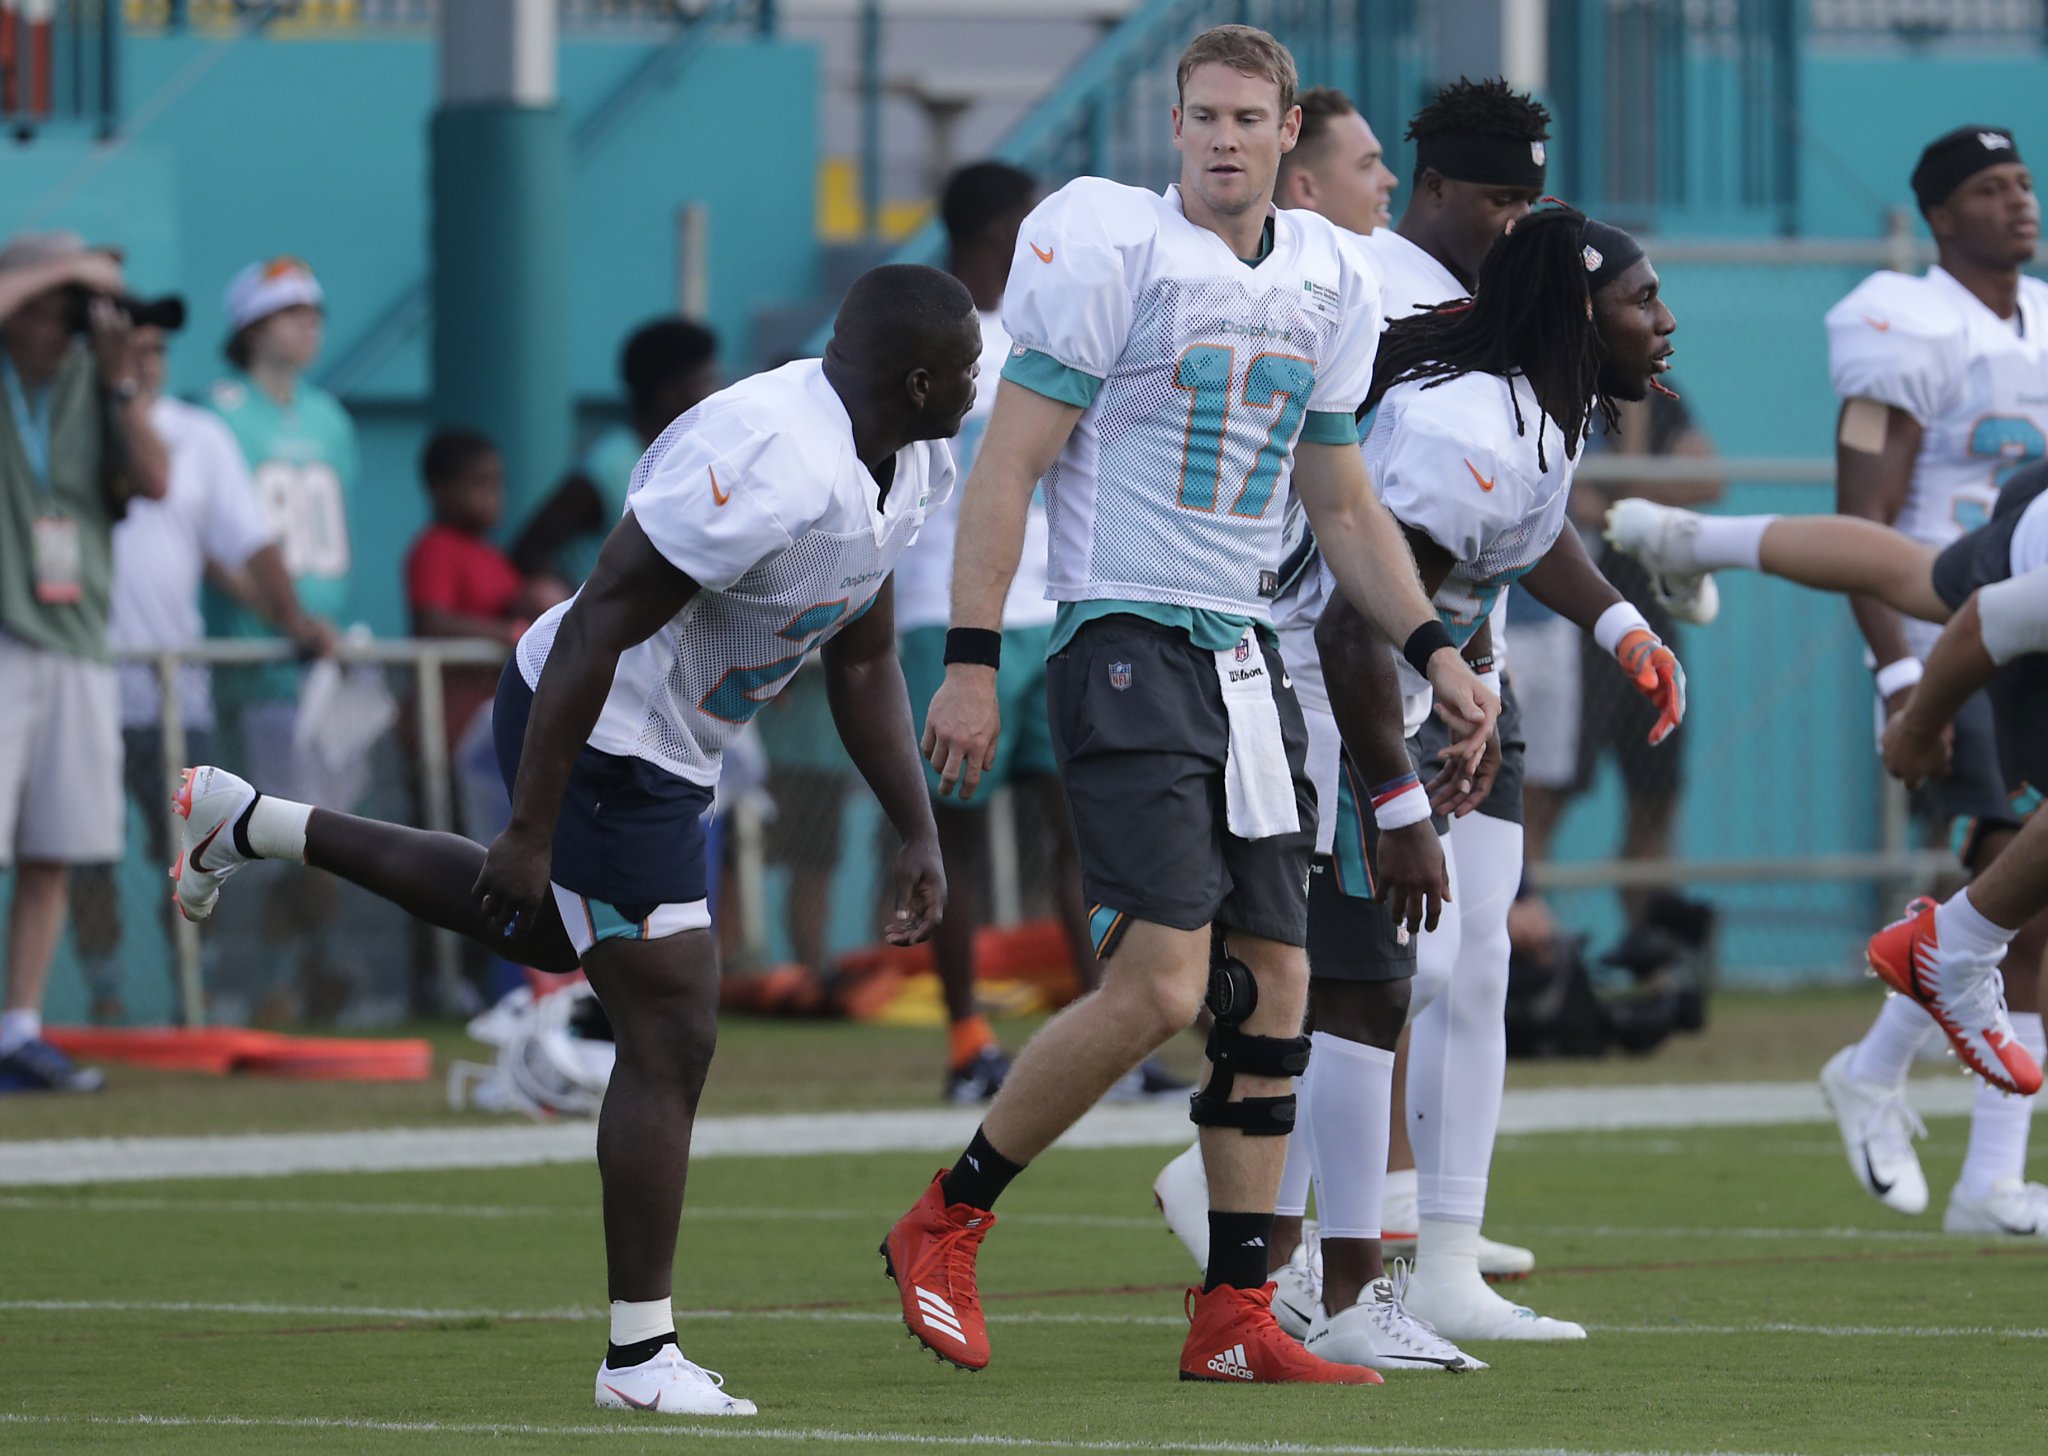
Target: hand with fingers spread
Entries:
(1656, 674)
(920, 893)
(1915, 752)
(1414, 884)
(962, 726)
(1461, 786)
(1466, 705)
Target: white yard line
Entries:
(414, 1314)
(740, 1429)
(937, 1130)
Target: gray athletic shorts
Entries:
(60, 757)
(1140, 734)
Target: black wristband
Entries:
(1481, 665)
(1424, 643)
(976, 645)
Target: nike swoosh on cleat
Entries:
(1877, 1184)
(205, 844)
(651, 1405)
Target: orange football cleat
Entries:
(1232, 1336)
(930, 1254)
(1962, 993)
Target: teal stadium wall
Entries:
(320, 149)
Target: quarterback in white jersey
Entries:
(758, 526)
(1181, 364)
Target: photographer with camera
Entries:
(212, 519)
(76, 443)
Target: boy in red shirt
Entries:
(457, 584)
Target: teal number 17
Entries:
(1279, 382)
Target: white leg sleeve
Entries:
(1294, 1176)
(1457, 1056)
(1351, 1091)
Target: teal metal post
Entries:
(500, 243)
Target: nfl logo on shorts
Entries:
(1244, 649)
(1120, 675)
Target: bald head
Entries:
(907, 338)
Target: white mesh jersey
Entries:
(1449, 461)
(1174, 483)
(756, 495)
(1977, 383)
(924, 577)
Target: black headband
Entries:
(1607, 252)
(1952, 160)
(1498, 160)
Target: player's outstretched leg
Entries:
(1842, 554)
(227, 824)
(661, 997)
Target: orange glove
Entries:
(1656, 674)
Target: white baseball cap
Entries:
(261, 289)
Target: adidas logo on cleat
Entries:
(938, 1314)
(1230, 1364)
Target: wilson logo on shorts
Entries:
(1120, 675)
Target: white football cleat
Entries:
(1298, 1290)
(210, 801)
(1660, 537)
(1878, 1128)
(1464, 1308)
(2012, 1207)
(1181, 1192)
(671, 1385)
(1380, 1332)
(1400, 1217)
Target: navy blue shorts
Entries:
(630, 839)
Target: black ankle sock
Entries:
(241, 829)
(624, 1357)
(980, 1176)
(1238, 1244)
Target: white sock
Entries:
(1352, 1097)
(1447, 1249)
(645, 1320)
(1722, 542)
(1885, 1054)
(1960, 926)
(1398, 1203)
(18, 1028)
(1457, 1051)
(1294, 1175)
(277, 830)
(1999, 1122)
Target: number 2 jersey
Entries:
(1197, 372)
(1977, 384)
(758, 496)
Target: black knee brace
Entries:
(1233, 995)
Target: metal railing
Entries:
(426, 657)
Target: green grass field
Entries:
(1742, 1294)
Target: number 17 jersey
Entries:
(1198, 373)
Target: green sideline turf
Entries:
(1744, 1296)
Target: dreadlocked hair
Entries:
(1482, 108)
(1530, 315)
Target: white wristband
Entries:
(1894, 676)
(1409, 805)
(1491, 678)
(1616, 623)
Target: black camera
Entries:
(166, 313)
